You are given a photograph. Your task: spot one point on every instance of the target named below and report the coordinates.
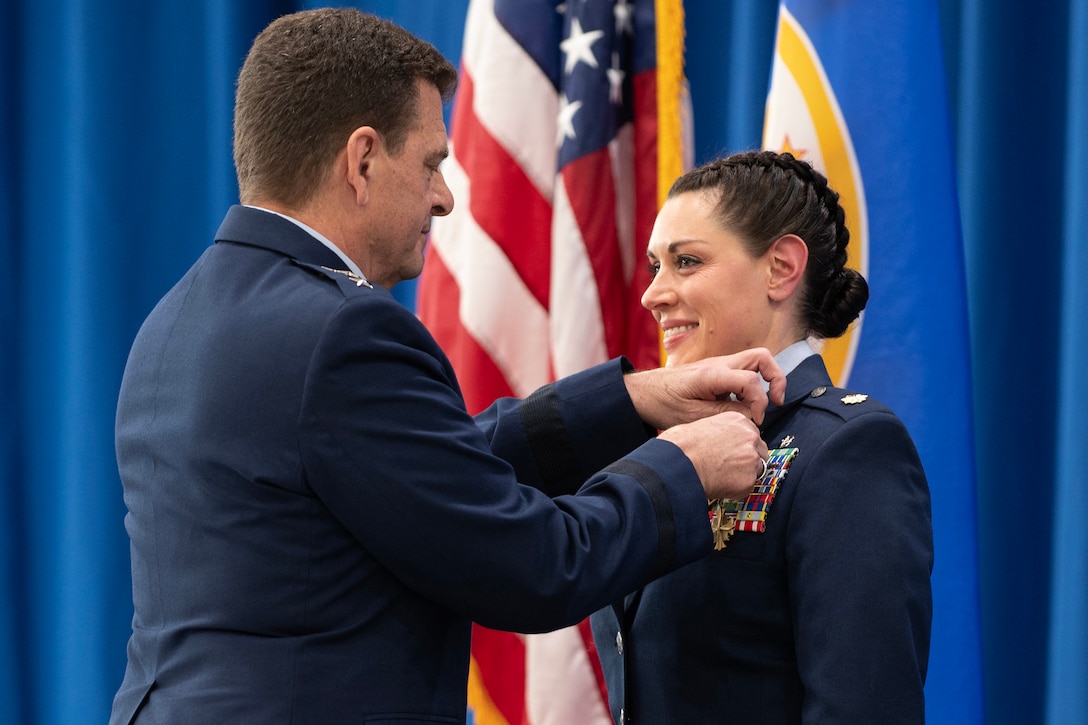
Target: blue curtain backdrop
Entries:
(115, 170)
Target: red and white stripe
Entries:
(535, 275)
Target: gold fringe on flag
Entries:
(671, 94)
(484, 710)
(671, 102)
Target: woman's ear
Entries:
(788, 257)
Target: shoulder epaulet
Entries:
(348, 281)
(841, 402)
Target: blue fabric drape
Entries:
(117, 169)
(1021, 207)
(119, 135)
(1067, 664)
(11, 532)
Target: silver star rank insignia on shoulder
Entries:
(359, 281)
(854, 398)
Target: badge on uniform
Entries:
(359, 281)
(728, 516)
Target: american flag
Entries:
(566, 116)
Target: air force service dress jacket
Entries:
(822, 618)
(315, 520)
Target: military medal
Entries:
(753, 513)
(723, 520)
(728, 516)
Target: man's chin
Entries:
(413, 271)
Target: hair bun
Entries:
(846, 296)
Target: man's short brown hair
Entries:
(313, 77)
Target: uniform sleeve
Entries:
(568, 430)
(860, 553)
(391, 451)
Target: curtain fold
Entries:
(1012, 165)
(11, 531)
(117, 169)
(1067, 663)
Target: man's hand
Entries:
(668, 396)
(726, 451)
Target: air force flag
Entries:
(858, 89)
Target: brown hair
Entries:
(763, 195)
(313, 77)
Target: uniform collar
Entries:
(806, 375)
(794, 355)
(347, 261)
(267, 230)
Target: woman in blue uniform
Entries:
(816, 608)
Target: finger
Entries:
(753, 359)
(760, 360)
(777, 392)
(737, 406)
(750, 393)
(776, 380)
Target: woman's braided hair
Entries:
(763, 195)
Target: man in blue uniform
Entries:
(315, 519)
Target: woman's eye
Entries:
(684, 261)
(653, 268)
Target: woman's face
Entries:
(709, 296)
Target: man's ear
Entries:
(361, 151)
(787, 257)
